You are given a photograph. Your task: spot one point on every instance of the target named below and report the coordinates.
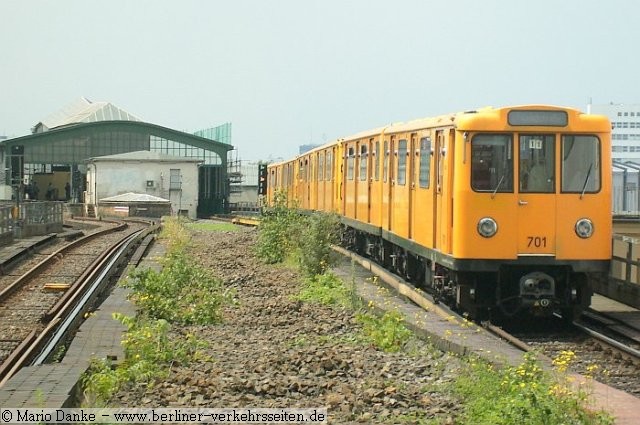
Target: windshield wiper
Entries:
(497, 187)
(584, 186)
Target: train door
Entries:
(536, 194)
(299, 182)
(338, 168)
(290, 182)
(320, 181)
(411, 182)
(369, 180)
(391, 171)
(400, 188)
(423, 198)
(363, 181)
(444, 190)
(349, 198)
(305, 183)
(331, 177)
(437, 193)
(375, 189)
(313, 181)
(386, 184)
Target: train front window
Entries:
(492, 163)
(537, 164)
(580, 164)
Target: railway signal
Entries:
(262, 179)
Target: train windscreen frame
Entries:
(492, 163)
(581, 164)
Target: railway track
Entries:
(43, 306)
(589, 354)
(35, 255)
(586, 347)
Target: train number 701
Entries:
(537, 241)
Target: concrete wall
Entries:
(106, 179)
(244, 194)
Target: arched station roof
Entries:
(80, 141)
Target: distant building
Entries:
(306, 148)
(625, 136)
(172, 178)
(56, 152)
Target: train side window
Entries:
(329, 164)
(363, 162)
(425, 161)
(492, 163)
(402, 162)
(351, 159)
(580, 164)
(376, 157)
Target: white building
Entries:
(168, 177)
(625, 136)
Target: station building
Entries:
(52, 163)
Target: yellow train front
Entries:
(497, 210)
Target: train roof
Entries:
(470, 119)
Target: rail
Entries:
(35, 270)
(68, 312)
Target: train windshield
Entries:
(537, 164)
(580, 164)
(492, 163)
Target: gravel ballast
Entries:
(273, 351)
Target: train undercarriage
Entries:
(513, 290)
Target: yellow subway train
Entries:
(496, 210)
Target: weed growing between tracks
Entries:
(286, 235)
(509, 396)
(182, 293)
(524, 395)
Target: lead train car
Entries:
(497, 210)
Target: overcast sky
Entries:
(291, 72)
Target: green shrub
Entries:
(182, 292)
(276, 231)
(387, 332)
(326, 289)
(318, 232)
(283, 233)
(150, 351)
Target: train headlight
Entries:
(487, 227)
(584, 228)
